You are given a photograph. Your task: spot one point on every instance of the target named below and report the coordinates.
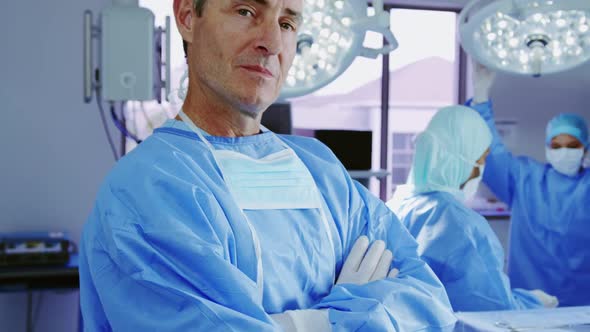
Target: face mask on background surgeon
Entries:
(471, 186)
(565, 160)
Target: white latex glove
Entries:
(362, 266)
(306, 320)
(483, 79)
(547, 300)
(284, 321)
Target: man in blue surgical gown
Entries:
(216, 224)
(454, 240)
(550, 226)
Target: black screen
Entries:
(277, 118)
(353, 148)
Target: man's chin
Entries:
(251, 113)
(254, 107)
(250, 109)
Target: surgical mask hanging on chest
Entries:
(470, 188)
(277, 181)
(565, 161)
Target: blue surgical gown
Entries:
(166, 248)
(550, 226)
(463, 250)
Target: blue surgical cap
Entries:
(446, 152)
(567, 123)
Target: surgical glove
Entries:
(285, 321)
(303, 320)
(547, 300)
(393, 273)
(483, 79)
(364, 266)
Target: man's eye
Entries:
(287, 26)
(245, 12)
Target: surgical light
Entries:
(526, 36)
(331, 37)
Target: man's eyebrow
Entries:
(291, 12)
(260, 2)
(295, 14)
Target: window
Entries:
(424, 76)
(402, 153)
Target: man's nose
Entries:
(269, 41)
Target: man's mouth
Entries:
(259, 70)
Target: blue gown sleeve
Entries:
(160, 274)
(475, 285)
(415, 300)
(472, 272)
(502, 168)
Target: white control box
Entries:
(127, 54)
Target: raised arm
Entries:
(502, 168)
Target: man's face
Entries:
(242, 50)
(566, 141)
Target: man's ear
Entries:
(183, 13)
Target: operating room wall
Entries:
(54, 150)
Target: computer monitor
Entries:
(277, 118)
(353, 148)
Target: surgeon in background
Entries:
(454, 240)
(214, 223)
(550, 225)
